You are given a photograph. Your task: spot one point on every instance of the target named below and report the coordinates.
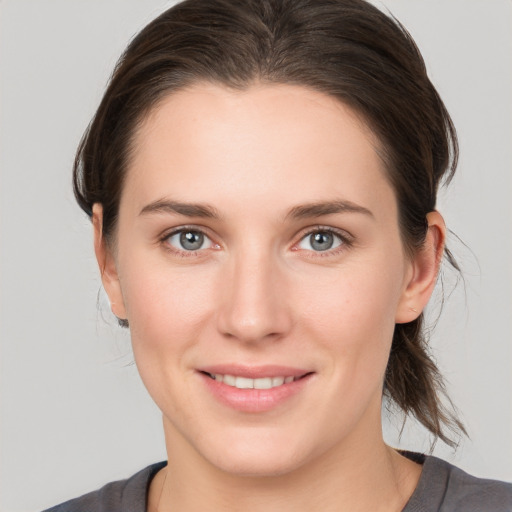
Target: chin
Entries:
(264, 465)
(264, 456)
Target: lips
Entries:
(254, 389)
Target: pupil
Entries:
(191, 240)
(322, 241)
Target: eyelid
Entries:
(162, 239)
(346, 238)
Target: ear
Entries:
(107, 264)
(424, 270)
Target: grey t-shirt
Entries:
(441, 488)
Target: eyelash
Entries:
(346, 241)
(182, 253)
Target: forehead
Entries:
(266, 142)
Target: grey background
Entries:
(74, 414)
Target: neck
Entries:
(360, 475)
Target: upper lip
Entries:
(254, 372)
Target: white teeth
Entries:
(246, 383)
(265, 383)
(229, 380)
(277, 381)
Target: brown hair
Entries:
(347, 49)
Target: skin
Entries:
(258, 293)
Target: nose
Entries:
(253, 302)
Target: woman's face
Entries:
(258, 240)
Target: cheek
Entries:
(353, 299)
(168, 311)
(353, 313)
(166, 307)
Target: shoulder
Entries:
(115, 496)
(444, 487)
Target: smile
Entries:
(254, 389)
(247, 383)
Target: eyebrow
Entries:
(327, 208)
(186, 209)
(305, 211)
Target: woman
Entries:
(262, 177)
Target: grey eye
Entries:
(320, 241)
(189, 240)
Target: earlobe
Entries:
(107, 265)
(424, 271)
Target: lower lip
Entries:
(254, 400)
